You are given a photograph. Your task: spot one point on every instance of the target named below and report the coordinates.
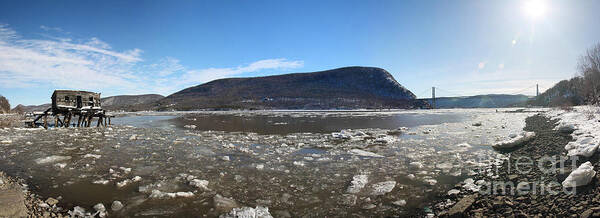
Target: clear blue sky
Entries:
(134, 47)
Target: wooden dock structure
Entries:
(70, 104)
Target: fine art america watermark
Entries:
(547, 167)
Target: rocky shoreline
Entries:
(528, 182)
(17, 201)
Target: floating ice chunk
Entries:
(463, 145)
(77, 212)
(101, 182)
(580, 176)
(184, 194)
(364, 153)
(453, 192)
(198, 183)
(224, 204)
(340, 135)
(469, 184)
(6, 142)
(52, 159)
(125, 169)
(136, 179)
(123, 183)
(410, 176)
(248, 212)
(299, 163)
(395, 132)
(190, 126)
(60, 165)
(444, 166)
(133, 137)
(260, 166)
(225, 158)
(99, 207)
(97, 156)
(383, 140)
(383, 187)
(416, 165)
(358, 182)
(399, 203)
(159, 194)
(116, 205)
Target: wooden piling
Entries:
(69, 122)
(45, 121)
(65, 121)
(90, 119)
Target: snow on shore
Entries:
(581, 124)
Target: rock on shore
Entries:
(17, 201)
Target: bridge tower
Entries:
(537, 90)
(433, 97)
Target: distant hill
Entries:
(342, 88)
(32, 108)
(127, 102)
(479, 101)
(564, 93)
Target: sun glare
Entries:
(535, 8)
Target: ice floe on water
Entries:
(52, 159)
(247, 212)
(358, 182)
(186, 171)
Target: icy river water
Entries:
(295, 163)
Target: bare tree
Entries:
(4, 105)
(589, 67)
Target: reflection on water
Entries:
(293, 168)
(284, 123)
(144, 121)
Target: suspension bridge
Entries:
(440, 94)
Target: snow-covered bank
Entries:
(582, 123)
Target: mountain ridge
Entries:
(341, 88)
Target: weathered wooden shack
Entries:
(73, 99)
(69, 103)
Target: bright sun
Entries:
(535, 8)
